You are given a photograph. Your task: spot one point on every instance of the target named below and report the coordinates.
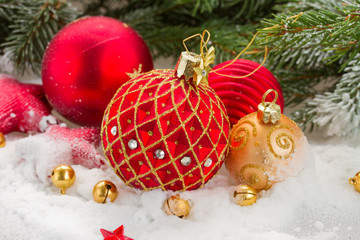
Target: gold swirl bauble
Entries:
(262, 154)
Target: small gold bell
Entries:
(104, 190)
(245, 195)
(2, 140)
(177, 206)
(355, 181)
(63, 177)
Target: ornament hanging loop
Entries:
(203, 42)
(266, 94)
(269, 111)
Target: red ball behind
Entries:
(242, 96)
(85, 64)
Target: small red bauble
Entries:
(160, 131)
(86, 62)
(241, 96)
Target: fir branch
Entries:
(33, 26)
(164, 24)
(335, 32)
(301, 85)
(337, 112)
(308, 5)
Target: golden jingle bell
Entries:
(355, 181)
(266, 147)
(63, 177)
(104, 190)
(177, 206)
(244, 195)
(2, 140)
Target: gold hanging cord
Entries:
(203, 46)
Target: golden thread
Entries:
(250, 43)
(297, 16)
(283, 140)
(167, 76)
(203, 43)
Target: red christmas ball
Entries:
(86, 62)
(242, 96)
(159, 131)
(23, 107)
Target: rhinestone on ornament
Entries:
(185, 161)
(208, 162)
(159, 154)
(132, 144)
(114, 130)
(203, 73)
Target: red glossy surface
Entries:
(86, 62)
(160, 111)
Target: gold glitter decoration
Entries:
(166, 77)
(136, 72)
(241, 135)
(283, 140)
(255, 176)
(262, 154)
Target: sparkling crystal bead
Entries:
(159, 154)
(208, 162)
(114, 130)
(185, 161)
(132, 144)
(203, 73)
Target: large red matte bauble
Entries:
(161, 132)
(242, 96)
(86, 62)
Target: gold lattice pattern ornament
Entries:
(162, 131)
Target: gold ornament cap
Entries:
(269, 111)
(104, 190)
(196, 67)
(245, 195)
(355, 181)
(177, 206)
(63, 177)
(186, 64)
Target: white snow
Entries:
(319, 204)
